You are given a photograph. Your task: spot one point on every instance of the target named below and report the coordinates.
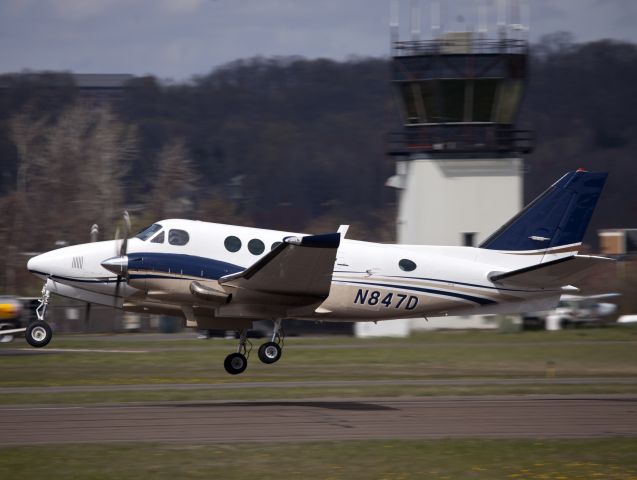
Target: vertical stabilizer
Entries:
(555, 222)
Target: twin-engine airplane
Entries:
(225, 277)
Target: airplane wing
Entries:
(555, 274)
(298, 267)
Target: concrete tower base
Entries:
(457, 202)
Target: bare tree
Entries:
(175, 182)
(70, 175)
(27, 136)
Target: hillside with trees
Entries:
(281, 143)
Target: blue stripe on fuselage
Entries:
(191, 265)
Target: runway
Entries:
(540, 416)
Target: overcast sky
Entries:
(176, 39)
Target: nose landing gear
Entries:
(38, 334)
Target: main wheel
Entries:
(38, 334)
(270, 352)
(235, 363)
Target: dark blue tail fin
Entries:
(557, 218)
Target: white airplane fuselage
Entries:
(225, 277)
(370, 281)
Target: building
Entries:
(459, 170)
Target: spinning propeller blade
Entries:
(121, 252)
(124, 246)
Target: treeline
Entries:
(582, 104)
(281, 143)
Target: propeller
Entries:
(121, 250)
(119, 263)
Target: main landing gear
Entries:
(237, 362)
(269, 352)
(38, 333)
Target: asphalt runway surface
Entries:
(541, 416)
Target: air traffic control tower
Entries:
(458, 166)
(459, 169)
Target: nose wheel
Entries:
(38, 334)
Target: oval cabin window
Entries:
(407, 265)
(232, 243)
(256, 246)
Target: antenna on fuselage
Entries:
(95, 232)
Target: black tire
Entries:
(38, 334)
(235, 363)
(270, 352)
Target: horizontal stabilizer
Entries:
(555, 274)
(300, 266)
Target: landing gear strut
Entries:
(271, 351)
(237, 362)
(39, 333)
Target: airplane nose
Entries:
(36, 264)
(117, 265)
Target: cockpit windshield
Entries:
(148, 232)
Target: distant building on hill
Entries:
(96, 88)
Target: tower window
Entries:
(468, 239)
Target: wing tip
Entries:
(328, 240)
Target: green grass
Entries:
(440, 459)
(286, 393)
(609, 353)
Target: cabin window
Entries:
(274, 245)
(407, 265)
(256, 246)
(158, 238)
(178, 237)
(148, 232)
(232, 244)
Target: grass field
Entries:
(606, 459)
(139, 359)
